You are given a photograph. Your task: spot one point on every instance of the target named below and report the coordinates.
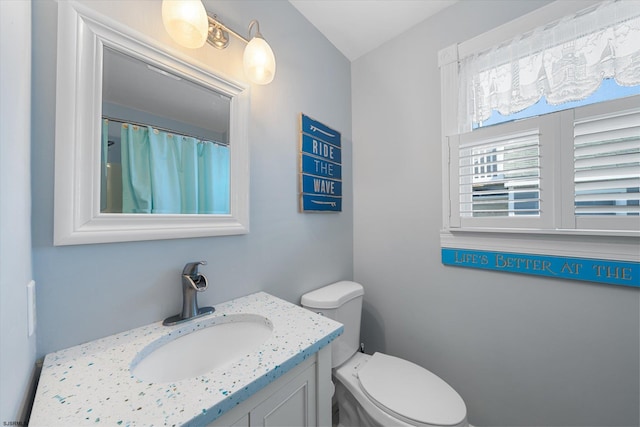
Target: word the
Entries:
(323, 168)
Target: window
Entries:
(562, 181)
(510, 176)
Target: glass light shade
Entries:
(259, 61)
(186, 22)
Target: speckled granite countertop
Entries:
(91, 384)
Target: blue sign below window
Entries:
(624, 273)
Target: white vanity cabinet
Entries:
(301, 397)
(286, 381)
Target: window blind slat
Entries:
(593, 126)
(526, 172)
(609, 210)
(502, 212)
(513, 141)
(609, 185)
(497, 192)
(607, 135)
(608, 197)
(524, 180)
(509, 163)
(514, 152)
(612, 161)
(480, 203)
(629, 145)
(602, 175)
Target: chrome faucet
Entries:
(192, 283)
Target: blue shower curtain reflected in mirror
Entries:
(165, 173)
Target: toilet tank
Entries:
(342, 302)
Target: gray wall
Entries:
(520, 350)
(18, 352)
(91, 291)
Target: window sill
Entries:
(599, 244)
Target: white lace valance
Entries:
(563, 61)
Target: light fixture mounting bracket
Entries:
(218, 36)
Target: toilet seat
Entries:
(409, 392)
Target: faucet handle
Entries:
(191, 269)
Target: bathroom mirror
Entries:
(124, 103)
(165, 141)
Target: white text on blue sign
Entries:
(321, 149)
(315, 166)
(593, 270)
(316, 185)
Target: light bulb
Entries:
(259, 61)
(186, 22)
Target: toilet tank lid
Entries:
(332, 296)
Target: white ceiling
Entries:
(356, 27)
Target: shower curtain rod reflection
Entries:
(173, 132)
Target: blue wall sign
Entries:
(624, 273)
(320, 167)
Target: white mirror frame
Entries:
(82, 35)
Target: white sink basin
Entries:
(190, 353)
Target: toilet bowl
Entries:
(383, 390)
(379, 389)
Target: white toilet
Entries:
(380, 390)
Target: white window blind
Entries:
(607, 165)
(500, 177)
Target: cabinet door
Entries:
(242, 422)
(294, 404)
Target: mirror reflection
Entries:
(165, 141)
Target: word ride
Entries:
(321, 149)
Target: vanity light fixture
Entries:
(189, 24)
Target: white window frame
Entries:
(557, 232)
